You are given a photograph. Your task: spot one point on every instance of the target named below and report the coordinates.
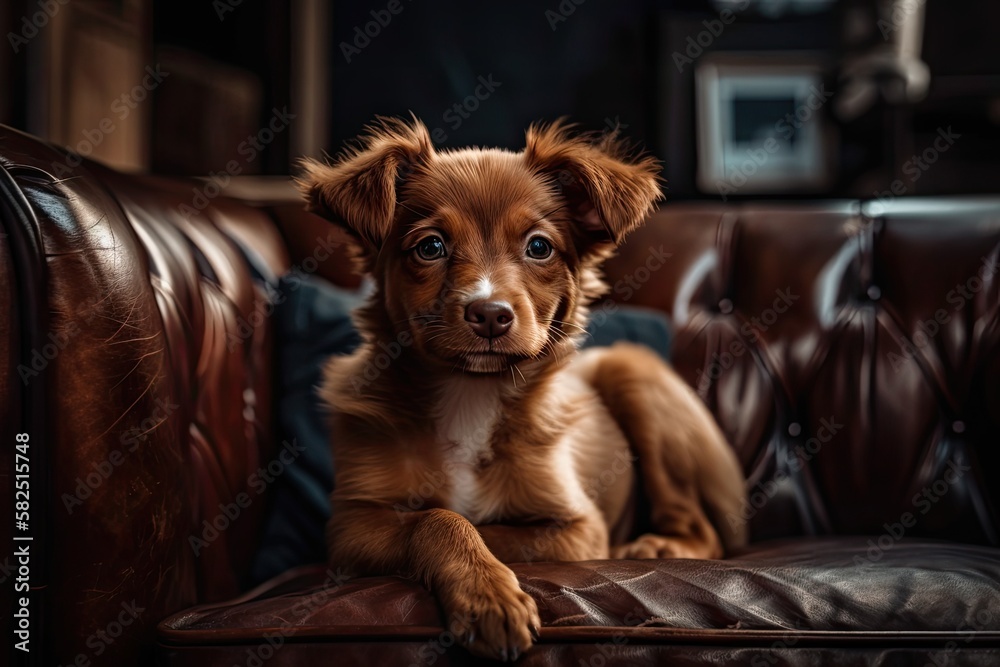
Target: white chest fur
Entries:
(467, 413)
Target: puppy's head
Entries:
(483, 256)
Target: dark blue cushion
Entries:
(638, 325)
(312, 319)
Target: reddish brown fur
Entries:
(464, 452)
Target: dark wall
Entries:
(593, 65)
(600, 63)
(251, 36)
(603, 62)
(480, 73)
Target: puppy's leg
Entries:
(484, 606)
(580, 538)
(685, 464)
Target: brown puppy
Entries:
(468, 432)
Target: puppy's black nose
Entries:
(489, 319)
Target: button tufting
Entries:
(958, 426)
(725, 306)
(794, 429)
(874, 293)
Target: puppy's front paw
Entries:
(493, 618)
(659, 546)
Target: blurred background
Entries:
(739, 98)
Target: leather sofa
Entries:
(849, 350)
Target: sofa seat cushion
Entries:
(802, 594)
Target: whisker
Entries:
(548, 213)
(413, 211)
(560, 336)
(441, 331)
(564, 323)
(421, 317)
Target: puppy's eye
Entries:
(538, 248)
(431, 248)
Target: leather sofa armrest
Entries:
(151, 339)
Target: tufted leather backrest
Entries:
(850, 352)
(139, 361)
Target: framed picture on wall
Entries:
(760, 124)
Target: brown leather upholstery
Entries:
(806, 594)
(149, 315)
(859, 346)
(155, 409)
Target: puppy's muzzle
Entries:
(489, 319)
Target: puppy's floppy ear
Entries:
(608, 193)
(359, 190)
